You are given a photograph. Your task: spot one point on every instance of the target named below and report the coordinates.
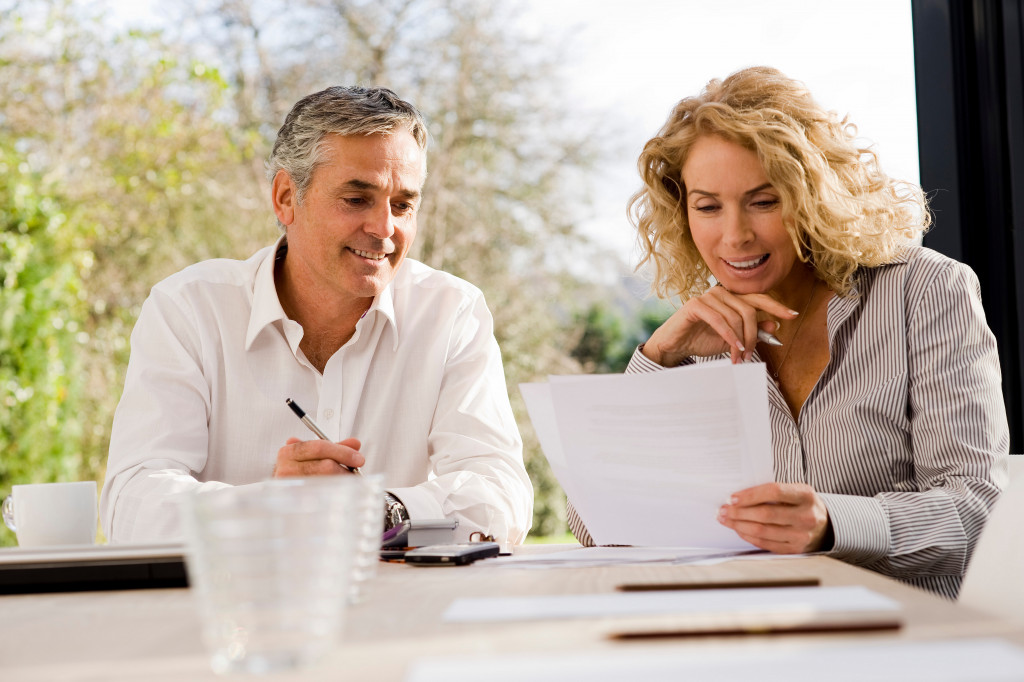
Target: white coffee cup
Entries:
(46, 514)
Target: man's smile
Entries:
(372, 255)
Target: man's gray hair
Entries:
(337, 110)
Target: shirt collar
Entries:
(266, 306)
(901, 257)
(384, 303)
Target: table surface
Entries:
(155, 634)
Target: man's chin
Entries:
(370, 287)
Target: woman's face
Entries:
(735, 217)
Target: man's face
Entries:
(357, 220)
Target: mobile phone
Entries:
(451, 555)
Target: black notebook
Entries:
(75, 568)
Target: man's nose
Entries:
(380, 223)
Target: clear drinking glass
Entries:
(270, 565)
(371, 526)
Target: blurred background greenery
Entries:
(126, 154)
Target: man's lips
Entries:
(371, 255)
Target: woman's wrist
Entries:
(654, 353)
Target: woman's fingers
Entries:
(718, 321)
(778, 516)
(769, 305)
(741, 318)
(726, 323)
(783, 493)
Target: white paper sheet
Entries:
(541, 408)
(725, 602)
(609, 556)
(977, 660)
(647, 459)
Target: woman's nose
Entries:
(737, 230)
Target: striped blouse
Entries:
(904, 436)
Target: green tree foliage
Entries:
(128, 155)
(607, 337)
(41, 313)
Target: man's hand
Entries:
(317, 458)
(785, 518)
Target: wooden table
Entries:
(155, 634)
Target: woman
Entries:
(889, 432)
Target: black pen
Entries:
(311, 425)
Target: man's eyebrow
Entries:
(364, 185)
(358, 184)
(757, 189)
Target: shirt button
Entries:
(328, 413)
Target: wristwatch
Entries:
(394, 511)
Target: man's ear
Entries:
(284, 195)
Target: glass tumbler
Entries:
(371, 527)
(270, 565)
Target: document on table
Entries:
(610, 556)
(647, 459)
(978, 660)
(746, 601)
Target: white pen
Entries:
(770, 339)
(311, 425)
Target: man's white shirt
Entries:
(420, 383)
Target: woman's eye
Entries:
(706, 208)
(766, 203)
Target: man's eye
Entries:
(401, 208)
(355, 201)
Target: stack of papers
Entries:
(580, 557)
(730, 602)
(647, 459)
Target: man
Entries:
(396, 362)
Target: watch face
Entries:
(394, 511)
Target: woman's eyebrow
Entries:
(705, 193)
(757, 189)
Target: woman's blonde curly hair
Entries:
(840, 209)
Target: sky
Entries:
(634, 59)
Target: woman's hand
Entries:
(785, 518)
(715, 322)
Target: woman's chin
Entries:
(740, 287)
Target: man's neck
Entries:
(327, 322)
